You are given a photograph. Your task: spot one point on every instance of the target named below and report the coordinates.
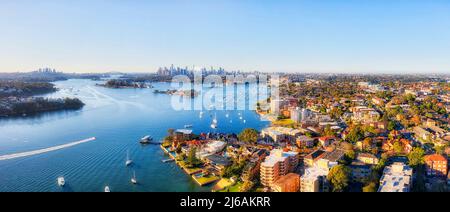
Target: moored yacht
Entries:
(146, 140)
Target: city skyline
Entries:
(288, 36)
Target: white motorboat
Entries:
(134, 179)
(128, 162)
(107, 189)
(61, 181)
(146, 140)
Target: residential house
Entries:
(396, 178)
(367, 158)
(278, 134)
(311, 159)
(277, 164)
(287, 183)
(314, 179)
(327, 140)
(330, 159)
(360, 171)
(436, 165)
(219, 163)
(406, 145)
(422, 134)
(210, 148)
(305, 141)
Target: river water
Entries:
(118, 118)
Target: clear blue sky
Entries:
(266, 35)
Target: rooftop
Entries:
(333, 156)
(277, 155)
(396, 178)
(435, 157)
(184, 131)
(312, 173)
(287, 178)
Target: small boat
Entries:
(227, 115)
(134, 179)
(168, 160)
(201, 114)
(61, 181)
(213, 126)
(128, 162)
(215, 119)
(241, 118)
(245, 121)
(187, 126)
(107, 189)
(146, 140)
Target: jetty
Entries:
(42, 151)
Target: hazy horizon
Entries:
(298, 36)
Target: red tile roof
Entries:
(435, 157)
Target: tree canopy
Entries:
(249, 135)
(339, 177)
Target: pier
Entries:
(42, 151)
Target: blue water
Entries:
(118, 118)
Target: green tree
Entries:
(371, 187)
(355, 134)
(415, 158)
(328, 131)
(170, 132)
(192, 159)
(339, 177)
(248, 135)
(398, 147)
(391, 125)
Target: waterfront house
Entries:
(218, 162)
(210, 148)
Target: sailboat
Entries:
(134, 179)
(128, 162)
(107, 189)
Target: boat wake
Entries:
(42, 151)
